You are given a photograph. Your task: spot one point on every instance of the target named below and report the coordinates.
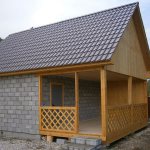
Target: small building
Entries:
(80, 77)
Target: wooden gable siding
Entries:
(128, 58)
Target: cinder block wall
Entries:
(89, 93)
(19, 104)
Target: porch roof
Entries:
(86, 39)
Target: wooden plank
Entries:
(128, 56)
(65, 134)
(57, 107)
(77, 101)
(139, 91)
(117, 92)
(103, 101)
(142, 36)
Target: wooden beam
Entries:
(58, 70)
(40, 98)
(103, 101)
(77, 101)
(129, 90)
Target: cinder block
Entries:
(21, 90)
(28, 117)
(34, 98)
(73, 140)
(13, 81)
(24, 84)
(31, 103)
(61, 141)
(21, 98)
(1, 115)
(20, 107)
(28, 108)
(27, 89)
(93, 142)
(28, 80)
(31, 93)
(10, 120)
(34, 89)
(27, 98)
(10, 111)
(80, 140)
(25, 103)
(34, 108)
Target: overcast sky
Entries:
(18, 15)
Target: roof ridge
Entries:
(137, 3)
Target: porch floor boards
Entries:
(92, 126)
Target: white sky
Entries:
(18, 15)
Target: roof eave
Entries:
(60, 69)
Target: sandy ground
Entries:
(137, 141)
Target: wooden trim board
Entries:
(58, 70)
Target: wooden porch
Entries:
(118, 117)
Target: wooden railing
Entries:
(122, 120)
(60, 119)
(140, 115)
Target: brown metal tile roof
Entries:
(86, 39)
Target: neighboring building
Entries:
(80, 77)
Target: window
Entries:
(56, 94)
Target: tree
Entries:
(1, 39)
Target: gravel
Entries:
(138, 141)
(7, 143)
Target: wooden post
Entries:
(130, 102)
(49, 138)
(103, 102)
(146, 98)
(40, 99)
(77, 101)
(130, 90)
